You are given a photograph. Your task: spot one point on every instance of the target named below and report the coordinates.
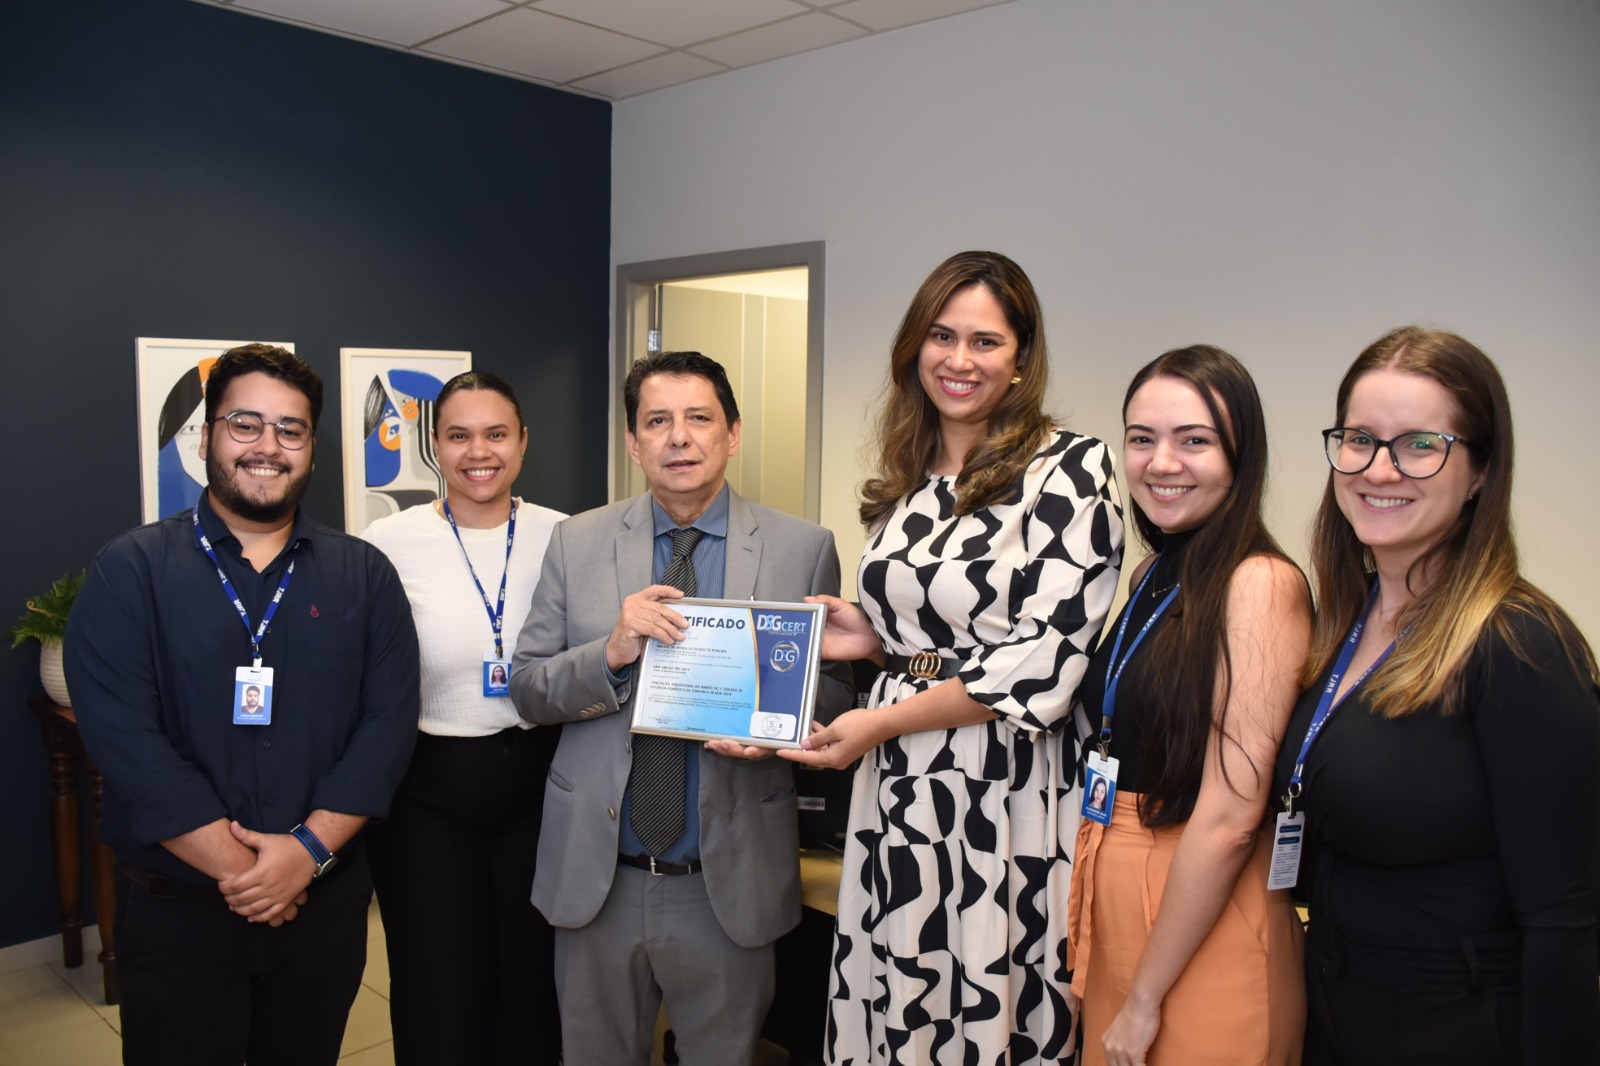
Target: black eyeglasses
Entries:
(246, 427)
(1416, 455)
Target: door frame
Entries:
(636, 294)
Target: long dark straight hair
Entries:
(1189, 679)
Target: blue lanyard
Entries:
(1326, 705)
(1108, 705)
(257, 634)
(496, 610)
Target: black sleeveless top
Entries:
(1133, 692)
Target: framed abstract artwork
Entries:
(387, 400)
(171, 389)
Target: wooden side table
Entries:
(65, 746)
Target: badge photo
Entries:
(1099, 789)
(496, 676)
(252, 695)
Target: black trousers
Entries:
(201, 986)
(471, 962)
(1369, 1005)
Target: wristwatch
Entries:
(320, 855)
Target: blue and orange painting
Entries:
(397, 434)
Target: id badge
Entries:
(1099, 788)
(496, 676)
(252, 695)
(1287, 836)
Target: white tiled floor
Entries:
(53, 1016)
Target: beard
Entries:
(223, 484)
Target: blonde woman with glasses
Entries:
(1452, 912)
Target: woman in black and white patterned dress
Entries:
(995, 539)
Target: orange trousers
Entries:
(1241, 999)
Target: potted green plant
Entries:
(45, 620)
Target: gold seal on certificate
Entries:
(745, 671)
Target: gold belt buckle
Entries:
(925, 665)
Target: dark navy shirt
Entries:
(152, 647)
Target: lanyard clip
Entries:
(1289, 797)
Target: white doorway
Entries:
(758, 312)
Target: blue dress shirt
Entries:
(710, 564)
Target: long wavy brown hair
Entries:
(908, 423)
(1474, 581)
(1189, 680)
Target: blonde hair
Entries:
(1476, 583)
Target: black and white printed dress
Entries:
(951, 943)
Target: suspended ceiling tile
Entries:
(779, 39)
(404, 22)
(542, 46)
(892, 14)
(674, 22)
(648, 75)
(563, 42)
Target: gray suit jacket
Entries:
(748, 836)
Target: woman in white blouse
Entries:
(470, 960)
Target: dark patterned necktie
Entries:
(660, 763)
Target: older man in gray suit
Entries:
(668, 868)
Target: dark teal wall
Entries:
(168, 169)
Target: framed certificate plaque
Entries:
(745, 671)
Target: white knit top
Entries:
(452, 624)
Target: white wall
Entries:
(1285, 179)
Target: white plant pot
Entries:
(51, 672)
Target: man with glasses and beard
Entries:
(242, 887)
